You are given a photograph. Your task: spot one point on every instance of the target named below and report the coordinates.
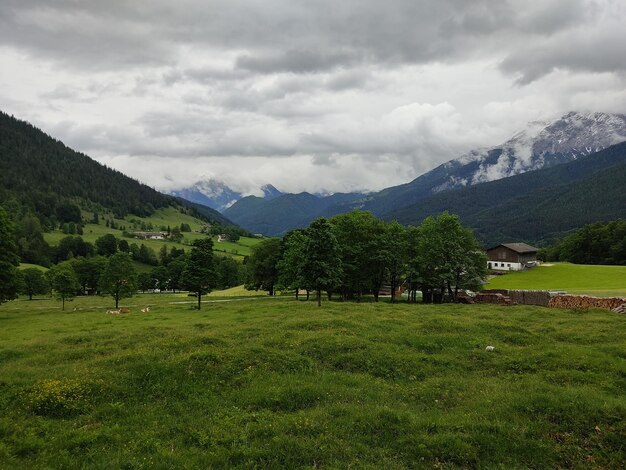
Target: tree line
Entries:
(356, 254)
(599, 243)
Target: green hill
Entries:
(39, 174)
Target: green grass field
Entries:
(274, 383)
(162, 217)
(601, 281)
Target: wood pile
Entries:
(585, 301)
(531, 297)
(492, 298)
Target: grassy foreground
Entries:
(601, 281)
(272, 383)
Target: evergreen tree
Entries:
(9, 259)
(199, 274)
(291, 264)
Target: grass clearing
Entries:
(601, 281)
(274, 383)
(162, 217)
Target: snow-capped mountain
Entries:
(538, 146)
(217, 195)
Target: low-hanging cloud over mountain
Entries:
(324, 95)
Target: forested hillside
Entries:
(40, 174)
(535, 206)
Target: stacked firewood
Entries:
(620, 309)
(585, 301)
(492, 298)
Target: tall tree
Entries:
(88, 271)
(449, 258)
(34, 282)
(322, 264)
(262, 265)
(106, 245)
(119, 279)
(199, 274)
(396, 249)
(9, 259)
(291, 263)
(64, 282)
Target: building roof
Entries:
(518, 247)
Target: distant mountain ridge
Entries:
(218, 195)
(540, 145)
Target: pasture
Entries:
(601, 281)
(162, 217)
(274, 383)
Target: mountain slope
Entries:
(539, 146)
(277, 216)
(42, 175)
(537, 204)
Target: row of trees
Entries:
(355, 253)
(599, 243)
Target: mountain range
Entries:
(541, 145)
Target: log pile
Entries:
(585, 301)
(492, 298)
(531, 297)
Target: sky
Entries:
(319, 96)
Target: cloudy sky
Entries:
(321, 95)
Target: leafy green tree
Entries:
(34, 282)
(229, 273)
(123, 246)
(119, 279)
(70, 247)
(161, 277)
(88, 272)
(449, 258)
(199, 274)
(175, 273)
(262, 265)
(291, 263)
(145, 281)
(64, 282)
(361, 238)
(396, 249)
(106, 245)
(322, 264)
(185, 227)
(147, 255)
(9, 260)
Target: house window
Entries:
(508, 265)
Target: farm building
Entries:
(151, 235)
(511, 257)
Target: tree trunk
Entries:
(297, 292)
(30, 296)
(199, 300)
(393, 289)
(117, 300)
(307, 294)
(319, 297)
(62, 303)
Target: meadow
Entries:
(273, 383)
(601, 281)
(162, 217)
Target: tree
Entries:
(32, 246)
(106, 245)
(63, 282)
(34, 282)
(262, 266)
(123, 246)
(322, 265)
(145, 282)
(396, 253)
(175, 272)
(448, 256)
(199, 274)
(88, 271)
(119, 279)
(228, 271)
(9, 259)
(291, 263)
(161, 277)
